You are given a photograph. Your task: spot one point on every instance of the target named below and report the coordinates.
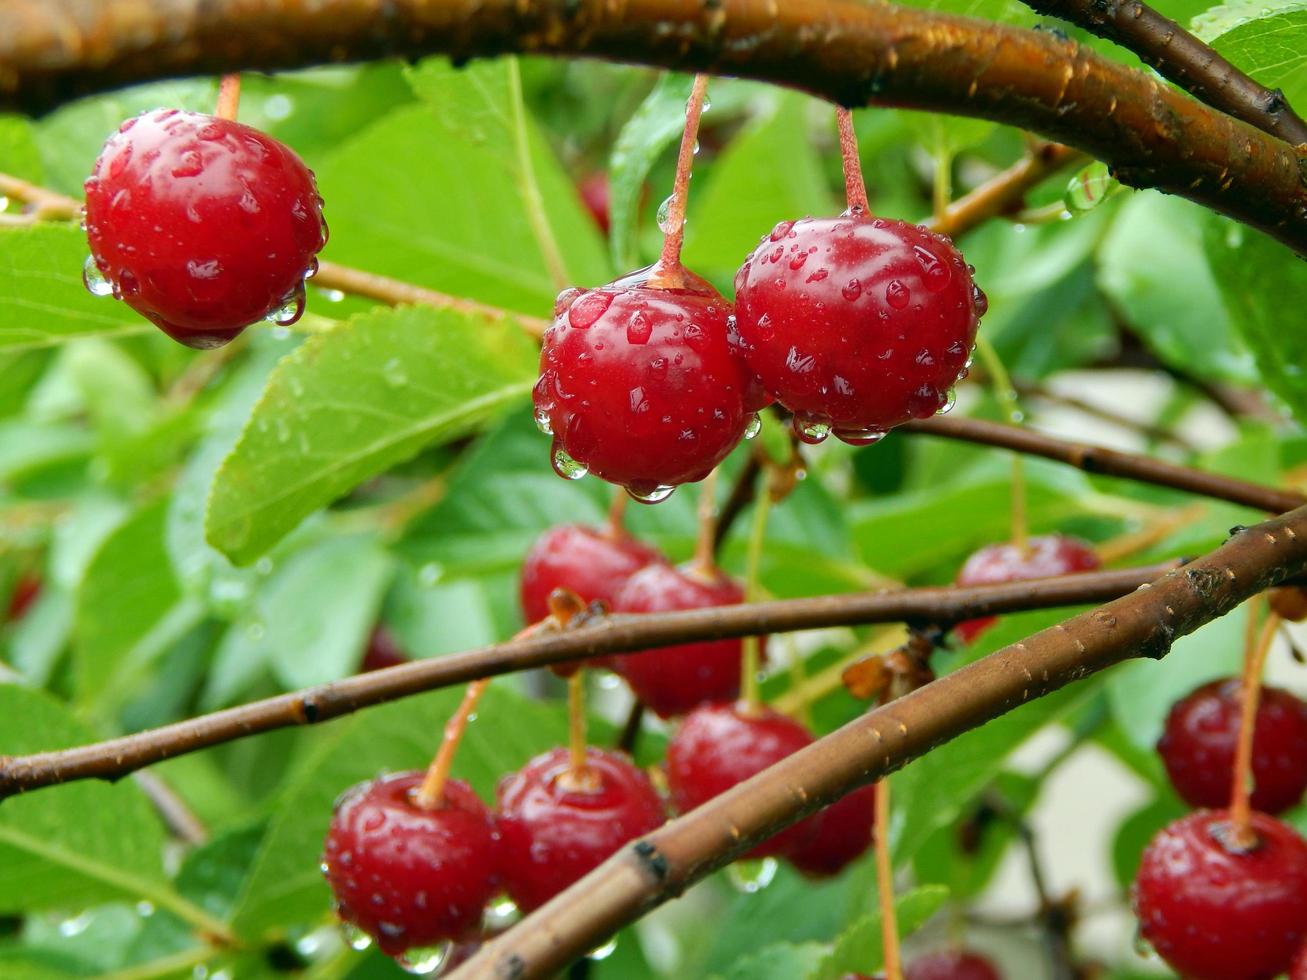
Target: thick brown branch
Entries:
(1110, 462)
(849, 51)
(664, 863)
(616, 634)
(1176, 54)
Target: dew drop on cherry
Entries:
(565, 466)
(96, 283)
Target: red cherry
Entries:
(592, 563)
(1198, 747)
(1214, 914)
(382, 651)
(673, 680)
(202, 225)
(554, 832)
(26, 590)
(1044, 556)
(1289, 602)
(719, 745)
(1299, 969)
(951, 964)
(839, 835)
(406, 876)
(596, 197)
(639, 383)
(855, 323)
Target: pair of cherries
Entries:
(855, 324)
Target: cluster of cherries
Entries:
(414, 876)
(1213, 907)
(853, 323)
(202, 225)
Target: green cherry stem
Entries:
(749, 693)
(1007, 399)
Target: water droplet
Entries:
(753, 875)
(796, 261)
(859, 437)
(74, 926)
(144, 909)
(587, 309)
(639, 328)
(753, 426)
(810, 430)
(950, 399)
(897, 294)
(665, 216)
(1090, 188)
(394, 373)
(355, 937)
(96, 283)
(430, 574)
(1233, 235)
(565, 466)
(604, 951)
(312, 269)
(781, 230)
(291, 309)
(502, 913)
(333, 295)
(543, 423)
(650, 495)
(190, 164)
(424, 960)
(695, 148)
(979, 300)
(565, 299)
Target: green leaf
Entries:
(351, 403)
(1273, 50)
(770, 174)
(652, 128)
(859, 948)
(43, 301)
(73, 845)
(129, 609)
(18, 154)
(779, 961)
(285, 885)
(1260, 282)
(1152, 266)
(1136, 830)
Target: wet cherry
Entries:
(555, 826)
(640, 383)
(838, 835)
(1198, 746)
(591, 562)
(202, 225)
(719, 745)
(673, 680)
(855, 323)
(1299, 969)
(951, 964)
(1043, 557)
(382, 651)
(406, 876)
(1216, 914)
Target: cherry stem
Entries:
(855, 189)
(617, 514)
(942, 189)
(229, 96)
(750, 697)
(705, 561)
(431, 794)
(1242, 836)
(889, 924)
(1006, 394)
(580, 775)
(1127, 545)
(674, 236)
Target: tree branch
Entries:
(1163, 44)
(1109, 462)
(848, 51)
(614, 634)
(1005, 190)
(664, 863)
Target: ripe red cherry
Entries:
(640, 384)
(382, 651)
(593, 563)
(1299, 969)
(1214, 914)
(951, 964)
(555, 831)
(838, 836)
(719, 745)
(596, 197)
(1198, 747)
(406, 876)
(26, 590)
(201, 225)
(673, 680)
(855, 323)
(1044, 556)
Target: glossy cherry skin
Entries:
(1044, 557)
(856, 323)
(382, 651)
(202, 225)
(674, 680)
(1214, 914)
(593, 563)
(719, 745)
(951, 964)
(1198, 747)
(838, 835)
(406, 876)
(1299, 969)
(640, 383)
(555, 832)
